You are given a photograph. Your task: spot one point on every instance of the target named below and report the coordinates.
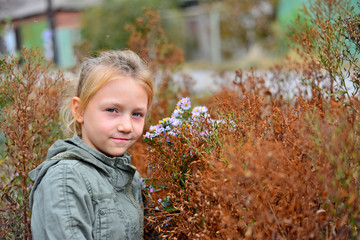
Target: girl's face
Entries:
(114, 118)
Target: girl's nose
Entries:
(124, 125)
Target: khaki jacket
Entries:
(80, 193)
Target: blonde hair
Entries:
(96, 72)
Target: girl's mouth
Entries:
(121, 139)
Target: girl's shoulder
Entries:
(76, 168)
(77, 163)
(67, 169)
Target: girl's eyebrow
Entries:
(116, 104)
(140, 109)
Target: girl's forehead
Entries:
(119, 82)
(126, 80)
(122, 85)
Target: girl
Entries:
(87, 188)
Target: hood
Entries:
(75, 149)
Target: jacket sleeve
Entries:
(62, 207)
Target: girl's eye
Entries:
(137, 114)
(111, 110)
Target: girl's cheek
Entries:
(140, 125)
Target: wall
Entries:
(35, 32)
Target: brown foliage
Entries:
(30, 95)
(286, 172)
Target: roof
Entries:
(17, 9)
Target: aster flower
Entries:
(167, 223)
(159, 129)
(152, 129)
(197, 112)
(149, 135)
(172, 133)
(142, 183)
(184, 117)
(175, 122)
(177, 113)
(184, 104)
(181, 127)
(151, 189)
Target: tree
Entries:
(243, 22)
(103, 26)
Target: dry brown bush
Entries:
(30, 94)
(288, 171)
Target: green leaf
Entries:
(170, 209)
(338, 93)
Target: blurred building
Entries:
(41, 23)
(202, 30)
(54, 26)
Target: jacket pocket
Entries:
(109, 221)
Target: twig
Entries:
(277, 221)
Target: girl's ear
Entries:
(76, 111)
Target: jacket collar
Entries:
(91, 156)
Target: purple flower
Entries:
(172, 133)
(153, 132)
(151, 189)
(341, 56)
(198, 111)
(148, 135)
(158, 130)
(142, 183)
(175, 122)
(164, 121)
(184, 103)
(152, 128)
(177, 113)
(167, 223)
(159, 200)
